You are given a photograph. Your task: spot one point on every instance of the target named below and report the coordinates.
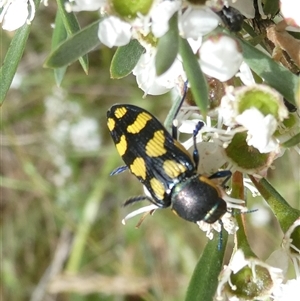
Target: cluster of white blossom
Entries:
(246, 275)
(194, 22)
(219, 57)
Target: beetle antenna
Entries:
(220, 243)
(243, 212)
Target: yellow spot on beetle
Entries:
(139, 123)
(120, 112)
(111, 124)
(138, 167)
(122, 145)
(158, 188)
(155, 146)
(173, 169)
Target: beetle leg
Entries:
(222, 174)
(198, 127)
(118, 170)
(140, 198)
(220, 242)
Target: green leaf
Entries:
(194, 74)
(292, 142)
(72, 26)
(125, 59)
(12, 59)
(176, 105)
(167, 47)
(285, 214)
(274, 74)
(69, 18)
(204, 281)
(59, 35)
(76, 46)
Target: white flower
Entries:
(85, 5)
(197, 22)
(220, 57)
(15, 13)
(236, 108)
(147, 79)
(114, 32)
(228, 224)
(260, 284)
(246, 75)
(160, 16)
(260, 129)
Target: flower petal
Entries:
(114, 32)
(16, 15)
(220, 57)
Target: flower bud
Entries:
(220, 57)
(248, 278)
(129, 9)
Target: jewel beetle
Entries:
(164, 166)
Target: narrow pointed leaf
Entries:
(204, 281)
(13, 57)
(167, 47)
(125, 59)
(292, 142)
(75, 47)
(69, 18)
(174, 111)
(285, 214)
(72, 26)
(274, 74)
(194, 74)
(59, 35)
(59, 74)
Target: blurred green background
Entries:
(61, 231)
